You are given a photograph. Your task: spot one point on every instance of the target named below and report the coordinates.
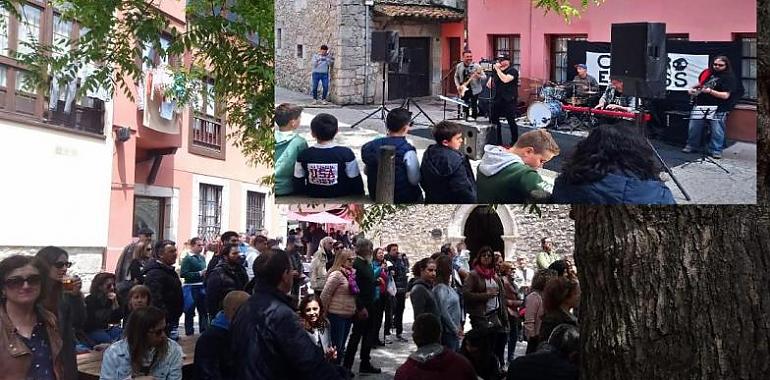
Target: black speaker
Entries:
(639, 58)
(385, 46)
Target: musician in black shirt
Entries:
(722, 89)
(505, 89)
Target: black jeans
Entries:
(378, 309)
(506, 109)
(473, 102)
(398, 311)
(388, 314)
(361, 333)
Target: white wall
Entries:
(54, 186)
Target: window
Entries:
(150, 212)
(559, 56)
(207, 134)
(255, 211)
(300, 51)
(749, 66)
(509, 45)
(210, 211)
(40, 22)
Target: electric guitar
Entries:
(710, 83)
(465, 85)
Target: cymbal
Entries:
(591, 92)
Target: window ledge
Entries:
(30, 121)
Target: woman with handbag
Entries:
(339, 296)
(485, 302)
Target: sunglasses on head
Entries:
(62, 264)
(18, 282)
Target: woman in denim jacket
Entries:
(145, 352)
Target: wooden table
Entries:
(90, 364)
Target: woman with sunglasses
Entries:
(103, 312)
(339, 295)
(30, 343)
(146, 352)
(67, 304)
(485, 301)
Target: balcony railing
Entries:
(207, 137)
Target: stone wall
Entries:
(411, 229)
(341, 24)
(87, 261)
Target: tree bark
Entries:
(763, 92)
(674, 292)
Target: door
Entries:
(454, 59)
(410, 78)
(149, 212)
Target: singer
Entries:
(505, 86)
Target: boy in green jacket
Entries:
(288, 144)
(510, 175)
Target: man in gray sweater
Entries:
(321, 63)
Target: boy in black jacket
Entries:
(326, 170)
(446, 172)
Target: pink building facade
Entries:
(182, 177)
(536, 40)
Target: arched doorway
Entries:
(483, 227)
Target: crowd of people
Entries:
(267, 328)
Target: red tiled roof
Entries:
(419, 11)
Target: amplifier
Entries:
(475, 136)
(677, 126)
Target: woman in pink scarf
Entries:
(339, 297)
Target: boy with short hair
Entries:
(288, 144)
(446, 173)
(510, 175)
(407, 168)
(326, 170)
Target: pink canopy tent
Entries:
(319, 217)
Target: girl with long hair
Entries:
(533, 308)
(146, 352)
(339, 296)
(65, 302)
(30, 342)
(103, 312)
(313, 318)
(613, 165)
(512, 304)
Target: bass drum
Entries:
(542, 115)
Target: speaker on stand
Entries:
(386, 51)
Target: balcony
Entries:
(207, 136)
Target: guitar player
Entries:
(469, 79)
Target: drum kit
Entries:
(548, 111)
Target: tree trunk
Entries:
(674, 292)
(763, 92)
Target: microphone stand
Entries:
(641, 125)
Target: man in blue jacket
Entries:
(266, 332)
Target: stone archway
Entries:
(456, 228)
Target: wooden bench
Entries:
(90, 364)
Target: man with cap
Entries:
(584, 82)
(505, 87)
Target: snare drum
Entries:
(543, 114)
